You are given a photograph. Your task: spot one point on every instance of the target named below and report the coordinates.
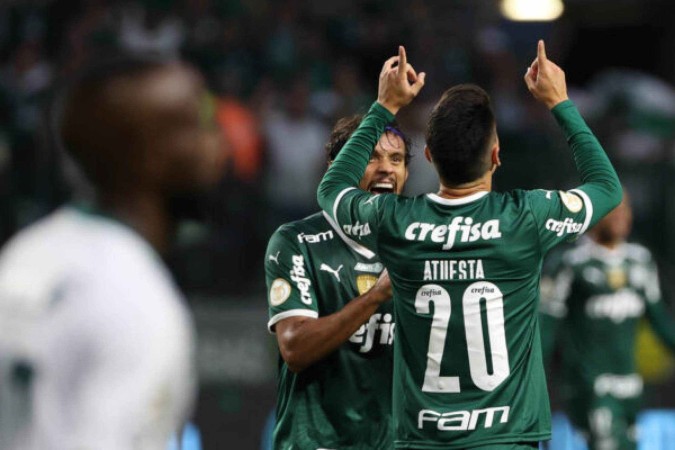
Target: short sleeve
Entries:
(290, 291)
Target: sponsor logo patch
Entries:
(617, 278)
(365, 282)
(314, 238)
(567, 226)
(617, 307)
(274, 258)
(460, 229)
(372, 268)
(463, 420)
(279, 292)
(299, 277)
(367, 334)
(571, 201)
(357, 230)
(329, 269)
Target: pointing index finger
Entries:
(402, 61)
(541, 51)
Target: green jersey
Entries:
(596, 297)
(468, 368)
(343, 401)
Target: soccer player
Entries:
(594, 298)
(333, 319)
(96, 342)
(464, 263)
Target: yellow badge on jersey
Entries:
(365, 282)
(279, 292)
(571, 201)
(616, 278)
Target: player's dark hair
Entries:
(459, 133)
(81, 104)
(346, 126)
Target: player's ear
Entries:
(496, 162)
(427, 154)
(495, 156)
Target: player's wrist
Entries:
(389, 106)
(552, 103)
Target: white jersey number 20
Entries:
(473, 325)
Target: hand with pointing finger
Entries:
(399, 83)
(545, 80)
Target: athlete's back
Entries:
(477, 261)
(96, 342)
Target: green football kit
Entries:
(343, 401)
(468, 370)
(594, 298)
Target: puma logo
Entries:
(327, 268)
(275, 258)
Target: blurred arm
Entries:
(662, 323)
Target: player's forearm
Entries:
(350, 164)
(311, 340)
(601, 182)
(662, 324)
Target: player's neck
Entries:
(610, 244)
(483, 184)
(145, 213)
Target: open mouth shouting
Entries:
(382, 187)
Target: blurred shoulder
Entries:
(638, 252)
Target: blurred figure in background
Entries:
(96, 343)
(294, 141)
(595, 295)
(333, 318)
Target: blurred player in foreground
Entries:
(333, 318)
(96, 343)
(465, 263)
(596, 295)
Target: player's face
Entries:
(387, 170)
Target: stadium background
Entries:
(282, 72)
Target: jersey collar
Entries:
(457, 201)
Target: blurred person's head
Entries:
(615, 227)
(461, 136)
(143, 131)
(297, 98)
(346, 78)
(387, 170)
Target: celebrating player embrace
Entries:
(329, 307)
(465, 263)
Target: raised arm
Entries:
(601, 191)
(398, 85)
